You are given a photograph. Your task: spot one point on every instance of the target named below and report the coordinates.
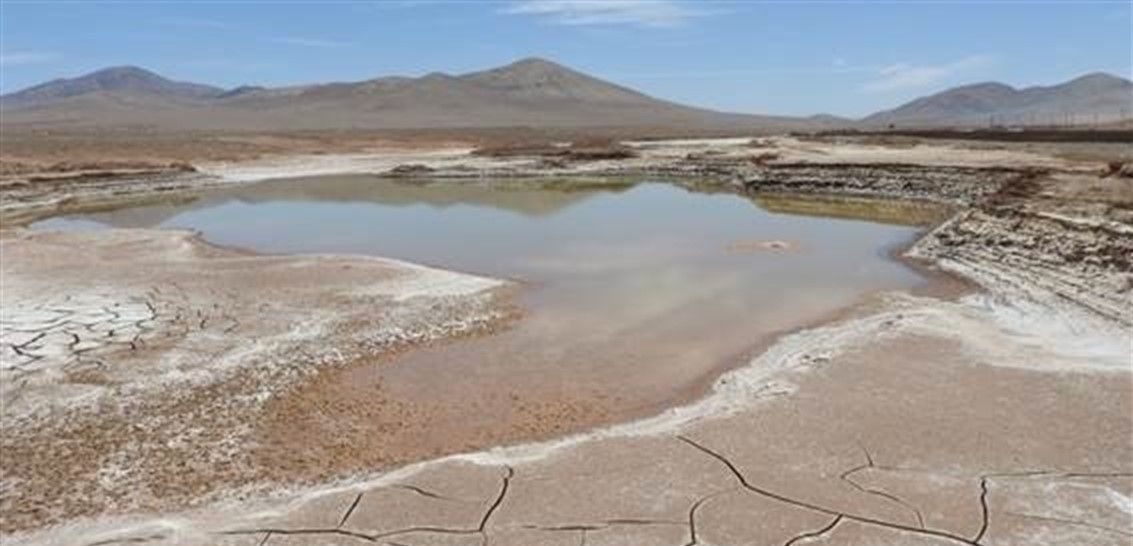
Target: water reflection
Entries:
(636, 291)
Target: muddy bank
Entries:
(135, 363)
(952, 185)
(28, 198)
(1079, 261)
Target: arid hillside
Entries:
(531, 92)
(1091, 99)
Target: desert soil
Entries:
(135, 362)
(1001, 417)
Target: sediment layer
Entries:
(1083, 262)
(955, 185)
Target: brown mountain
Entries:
(1093, 98)
(118, 79)
(530, 92)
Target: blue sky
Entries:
(787, 57)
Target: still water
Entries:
(637, 293)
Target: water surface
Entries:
(636, 292)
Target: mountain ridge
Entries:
(114, 78)
(530, 92)
(1095, 96)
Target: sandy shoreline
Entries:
(993, 338)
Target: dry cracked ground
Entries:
(987, 419)
(915, 421)
(137, 387)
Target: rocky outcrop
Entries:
(1085, 261)
(959, 185)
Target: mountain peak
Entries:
(1099, 80)
(537, 78)
(124, 70)
(533, 62)
(528, 68)
(124, 79)
(984, 87)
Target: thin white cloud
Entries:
(904, 76)
(308, 42)
(17, 58)
(644, 13)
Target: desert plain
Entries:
(160, 388)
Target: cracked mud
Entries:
(861, 453)
(912, 420)
(138, 389)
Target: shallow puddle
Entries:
(637, 295)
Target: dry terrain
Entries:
(136, 362)
(528, 92)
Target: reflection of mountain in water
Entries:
(144, 215)
(526, 197)
(886, 211)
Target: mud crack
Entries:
(818, 508)
(499, 499)
(693, 537)
(984, 510)
(350, 510)
(816, 533)
(847, 477)
(382, 537)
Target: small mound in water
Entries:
(756, 245)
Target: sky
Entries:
(790, 57)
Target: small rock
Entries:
(410, 169)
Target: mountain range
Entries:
(531, 93)
(1093, 98)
